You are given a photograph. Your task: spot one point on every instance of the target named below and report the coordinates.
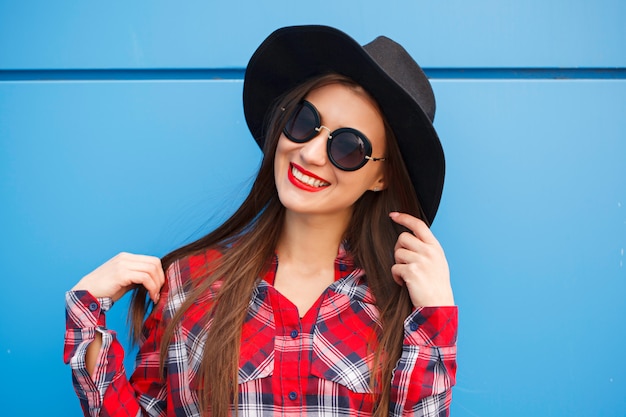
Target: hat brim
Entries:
(292, 55)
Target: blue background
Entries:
(121, 128)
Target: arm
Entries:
(426, 370)
(94, 353)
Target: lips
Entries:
(305, 180)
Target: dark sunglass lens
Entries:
(348, 150)
(302, 123)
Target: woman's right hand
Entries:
(121, 274)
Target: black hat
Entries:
(292, 55)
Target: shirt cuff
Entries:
(432, 326)
(83, 310)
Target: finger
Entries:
(155, 274)
(415, 225)
(406, 256)
(153, 268)
(131, 258)
(143, 263)
(397, 272)
(405, 274)
(144, 279)
(145, 268)
(409, 241)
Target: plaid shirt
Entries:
(289, 366)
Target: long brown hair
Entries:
(370, 235)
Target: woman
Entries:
(325, 293)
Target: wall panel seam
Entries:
(237, 74)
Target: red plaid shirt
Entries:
(289, 366)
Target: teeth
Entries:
(313, 182)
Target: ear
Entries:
(379, 184)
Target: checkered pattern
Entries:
(289, 366)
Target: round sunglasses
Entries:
(348, 149)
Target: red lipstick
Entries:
(302, 185)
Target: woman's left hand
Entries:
(421, 264)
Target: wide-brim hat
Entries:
(292, 55)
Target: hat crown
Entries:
(403, 70)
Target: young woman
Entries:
(326, 292)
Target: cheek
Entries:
(368, 177)
(280, 151)
(284, 146)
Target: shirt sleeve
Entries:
(108, 392)
(426, 371)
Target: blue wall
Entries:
(121, 128)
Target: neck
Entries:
(311, 240)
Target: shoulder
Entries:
(193, 267)
(186, 273)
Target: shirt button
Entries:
(413, 326)
(294, 334)
(93, 306)
(293, 395)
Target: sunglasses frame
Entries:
(318, 127)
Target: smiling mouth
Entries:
(306, 179)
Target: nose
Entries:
(314, 150)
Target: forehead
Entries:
(344, 91)
(341, 105)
